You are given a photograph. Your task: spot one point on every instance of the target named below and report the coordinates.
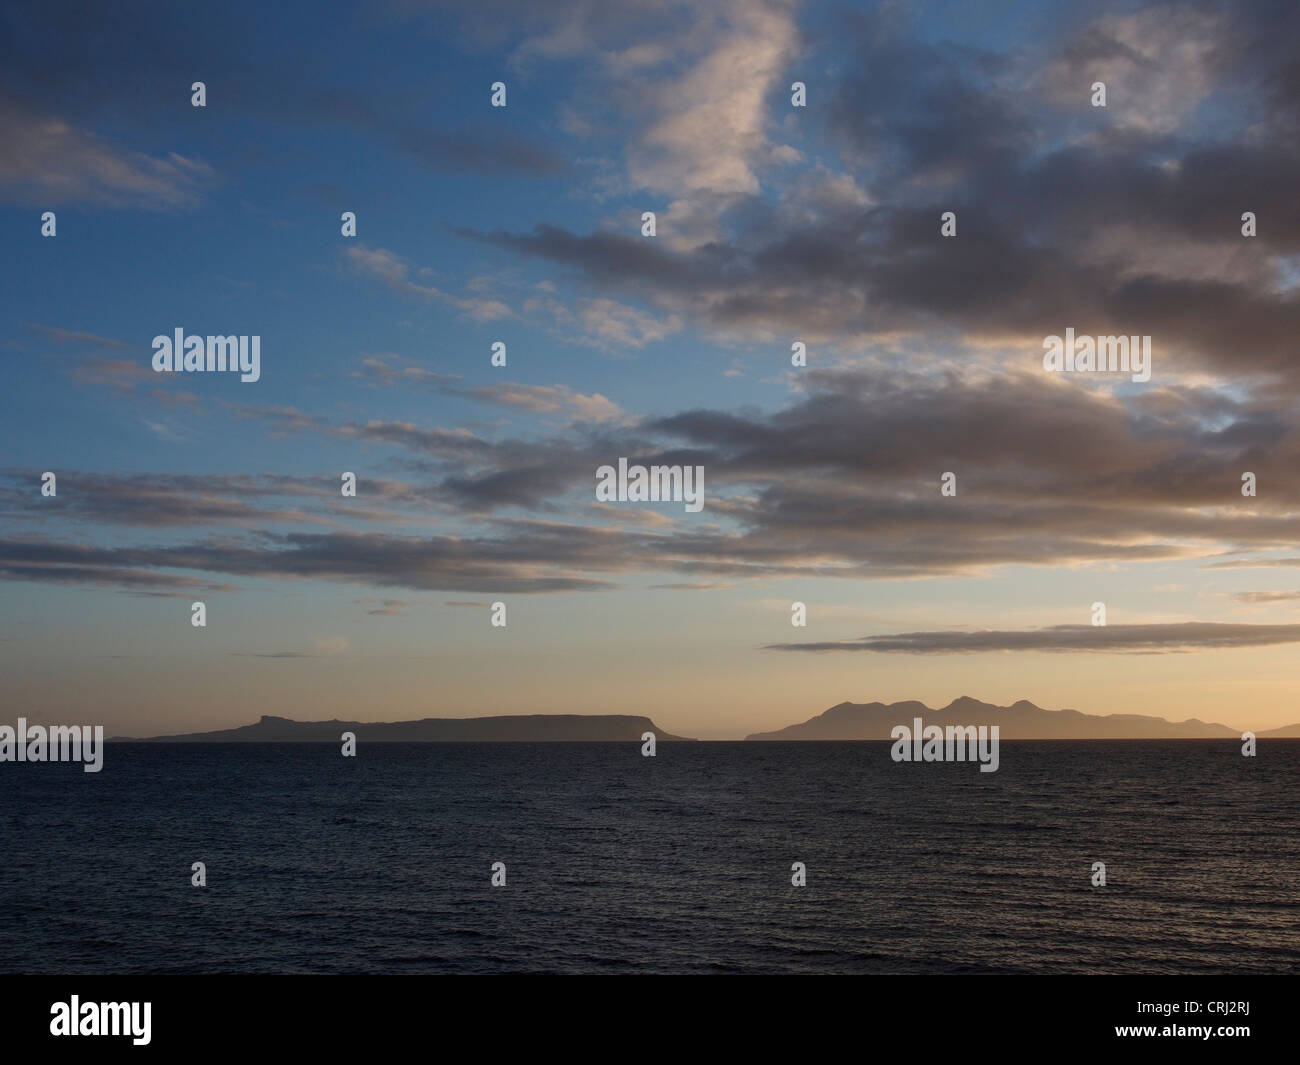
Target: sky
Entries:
(522, 225)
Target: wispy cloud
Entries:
(45, 160)
(1124, 639)
(397, 274)
(539, 399)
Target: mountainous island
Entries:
(525, 728)
(1020, 721)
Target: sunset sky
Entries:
(775, 224)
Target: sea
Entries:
(679, 863)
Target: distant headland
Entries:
(523, 728)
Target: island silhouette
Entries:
(844, 721)
(1020, 721)
(520, 728)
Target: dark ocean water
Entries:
(678, 863)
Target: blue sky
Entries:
(522, 224)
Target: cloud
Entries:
(1254, 563)
(1266, 597)
(1109, 230)
(395, 272)
(73, 337)
(539, 399)
(603, 323)
(80, 567)
(709, 121)
(610, 324)
(46, 161)
(1158, 64)
(161, 500)
(844, 480)
(119, 374)
(385, 607)
(125, 377)
(1124, 221)
(386, 370)
(686, 84)
(541, 560)
(64, 55)
(283, 420)
(1143, 639)
(551, 399)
